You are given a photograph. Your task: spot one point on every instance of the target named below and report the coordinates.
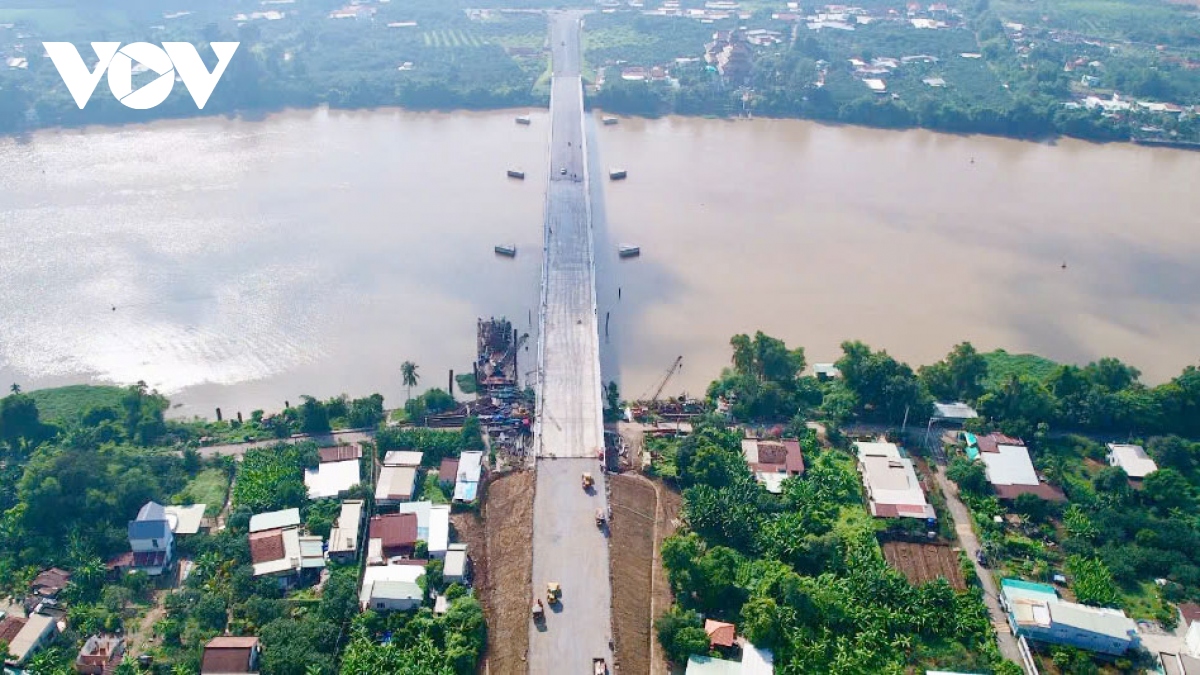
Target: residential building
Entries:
(278, 549)
(343, 538)
(275, 520)
(403, 458)
(720, 634)
(151, 540)
(25, 636)
(100, 655)
(339, 453)
(1133, 459)
(1011, 473)
(457, 565)
(433, 525)
(1179, 664)
(470, 470)
(448, 472)
(396, 533)
(45, 589)
(773, 461)
(185, 520)
(1036, 612)
(391, 587)
(397, 484)
(954, 411)
(891, 482)
(826, 371)
(332, 479)
(229, 655)
(754, 661)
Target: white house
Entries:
(470, 468)
(433, 525)
(457, 564)
(1132, 458)
(151, 540)
(331, 479)
(391, 587)
(891, 482)
(343, 538)
(27, 636)
(403, 458)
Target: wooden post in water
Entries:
(239, 417)
(218, 414)
(450, 386)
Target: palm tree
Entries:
(408, 371)
(16, 388)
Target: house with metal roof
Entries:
(1037, 613)
(470, 470)
(403, 458)
(396, 533)
(953, 412)
(339, 453)
(755, 661)
(890, 479)
(274, 520)
(26, 636)
(391, 587)
(185, 520)
(1132, 458)
(773, 461)
(230, 655)
(396, 484)
(433, 525)
(151, 540)
(343, 538)
(457, 564)
(1009, 467)
(332, 479)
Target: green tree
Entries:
(1092, 582)
(959, 376)
(409, 376)
(970, 476)
(1167, 489)
(681, 634)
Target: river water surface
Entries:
(242, 263)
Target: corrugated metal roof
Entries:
(395, 590)
(187, 518)
(1100, 620)
(330, 479)
(274, 520)
(1010, 465)
(1132, 458)
(403, 458)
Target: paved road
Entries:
(568, 548)
(323, 440)
(970, 544)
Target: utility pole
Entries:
(904, 424)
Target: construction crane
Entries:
(662, 384)
(511, 353)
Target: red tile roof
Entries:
(1043, 490)
(266, 546)
(1190, 612)
(720, 634)
(448, 471)
(397, 530)
(992, 441)
(9, 628)
(226, 660)
(51, 581)
(340, 453)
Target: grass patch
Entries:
(1001, 364)
(432, 489)
(1141, 601)
(68, 404)
(209, 487)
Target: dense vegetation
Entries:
(802, 574)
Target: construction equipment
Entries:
(600, 518)
(553, 592)
(539, 612)
(588, 481)
(662, 384)
(599, 666)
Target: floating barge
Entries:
(514, 173)
(524, 119)
(629, 251)
(617, 174)
(507, 250)
(608, 120)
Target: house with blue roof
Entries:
(151, 540)
(1035, 612)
